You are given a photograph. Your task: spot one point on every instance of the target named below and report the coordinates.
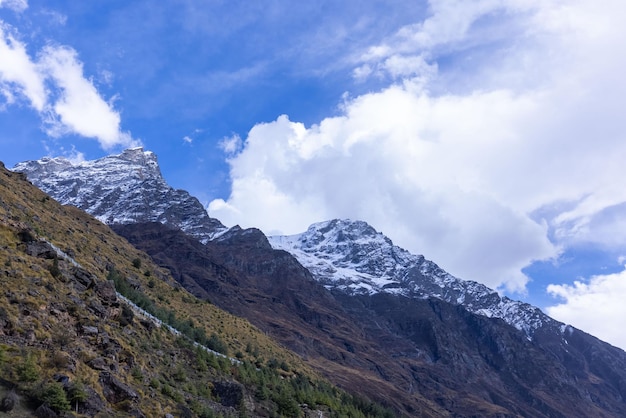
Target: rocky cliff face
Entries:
(122, 189)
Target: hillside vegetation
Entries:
(72, 344)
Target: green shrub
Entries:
(216, 344)
(54, 396)
(27, 370)
(136, 373)
(77, 393)
(179, 374)
(287, 405)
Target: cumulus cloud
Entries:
(455, 169)
(19, 76)
(55, 86)
(395, 160)
(596, 305)
(79, 108)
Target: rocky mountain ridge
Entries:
(121, 189)
(344, 255)
(352, 257)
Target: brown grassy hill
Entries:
(71, 345)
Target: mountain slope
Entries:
(425, 356)
(242, 274)
(120, 189)
(70, 340)
(372, 317)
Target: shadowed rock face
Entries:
(424, 356)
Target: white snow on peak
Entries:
(353, 257)
(121, 189)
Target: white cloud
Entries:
(231, 144)
(451, 160)
(55, 17)
(75, 156)
(56, 87)
(18, 74)
(79, 108)
(595, 306)
(15, 5)
(187, 139)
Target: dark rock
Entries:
(115, 391)
(62, 379)
(106, 291)
(26, 236)
(128, 358)
(135, 412)
(83, 280)
(41, 249)
(45, 412)
(127, 316)
(250, 237)
(94, 404)
(99, 363)
(90, 330)
(184, 411)
(97, 309)
(109, 346)
(229, 393)
(8, 402)
(149, 325)
(133, 282)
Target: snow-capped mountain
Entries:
(122, 189)
(367, 314)
(352, 257)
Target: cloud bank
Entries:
(54, 85)
(596, 304)
(494, 111)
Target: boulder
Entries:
(229, 393)
(106, 291)
(40, 249)
(114, 390)
(8, 402)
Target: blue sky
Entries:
(486, 135)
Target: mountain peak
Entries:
(343, 229)
(121, 189)
(353, 258)
(139, 156)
